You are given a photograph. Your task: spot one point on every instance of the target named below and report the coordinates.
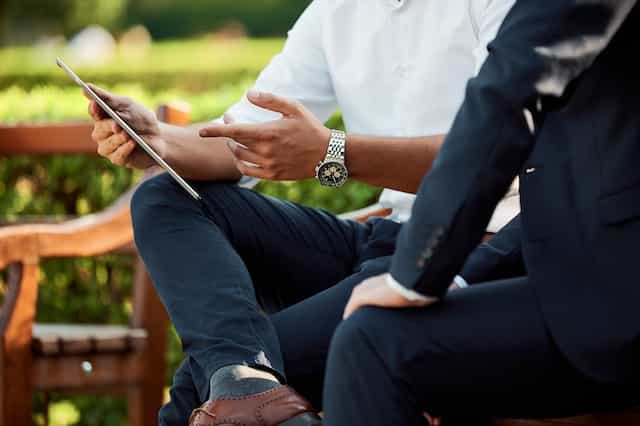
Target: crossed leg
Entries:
(483, 352)
(222, 265)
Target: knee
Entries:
(354, 339)
(152, 198)
(152, 193)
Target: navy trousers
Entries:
(252, 280)
(483, 352)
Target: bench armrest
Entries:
(91, 235)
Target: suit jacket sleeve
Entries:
(499, 258)
(540, 49)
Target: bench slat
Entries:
(66, 339)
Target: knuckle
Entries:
(267, 150)
(270, 164)
(271, 134)
(240, 166)
(272, 174)
(239, 153)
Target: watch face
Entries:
(332, 173)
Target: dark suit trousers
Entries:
(483, 352)
(252, 280)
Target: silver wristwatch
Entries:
(332, 171)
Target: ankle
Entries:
(239, 380)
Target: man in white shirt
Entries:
(397, 69)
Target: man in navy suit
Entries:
(550, 324)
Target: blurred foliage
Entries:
(23, 21)
(171, 18)
(26, 19)
(191, 65)
(99, 290)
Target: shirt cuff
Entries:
(460, 282)
(410, 295)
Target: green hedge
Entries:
(192, 65)
(99, 290)
(23, 21)
(166, 18)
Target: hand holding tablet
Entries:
(132, 133)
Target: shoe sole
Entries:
(306, 419)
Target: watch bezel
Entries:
(324, 181)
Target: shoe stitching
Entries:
(254, 396)
(245, 398)
(258, 412)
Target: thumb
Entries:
(95, 112)
(114, 101)
(287, 107)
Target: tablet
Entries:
(141, 142)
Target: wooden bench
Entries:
(76, 358)
(103, 359)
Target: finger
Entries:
(246, 132)
(121, 155)
(112, 144)
(115, 128)
(247, 169)
(433, 421)
(356, 301)
(114, 101)
(285, 106)
(95, 112)
(102, 129)
(243, 154)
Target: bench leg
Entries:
(16, 322)
(145, 401)
(149, 314)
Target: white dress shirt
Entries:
(394, 68)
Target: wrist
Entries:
(408, 294)
(162, 148)
(332, 170)
(324, 136)
(163, 129)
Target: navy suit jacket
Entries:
(557, 103)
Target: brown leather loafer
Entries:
(281, 406)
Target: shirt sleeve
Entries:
(488, 21)
(460, 282)
(299, 72)
(410, 295)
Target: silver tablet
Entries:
(111, 113)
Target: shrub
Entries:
(99, 290)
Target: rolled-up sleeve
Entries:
(299, 72)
